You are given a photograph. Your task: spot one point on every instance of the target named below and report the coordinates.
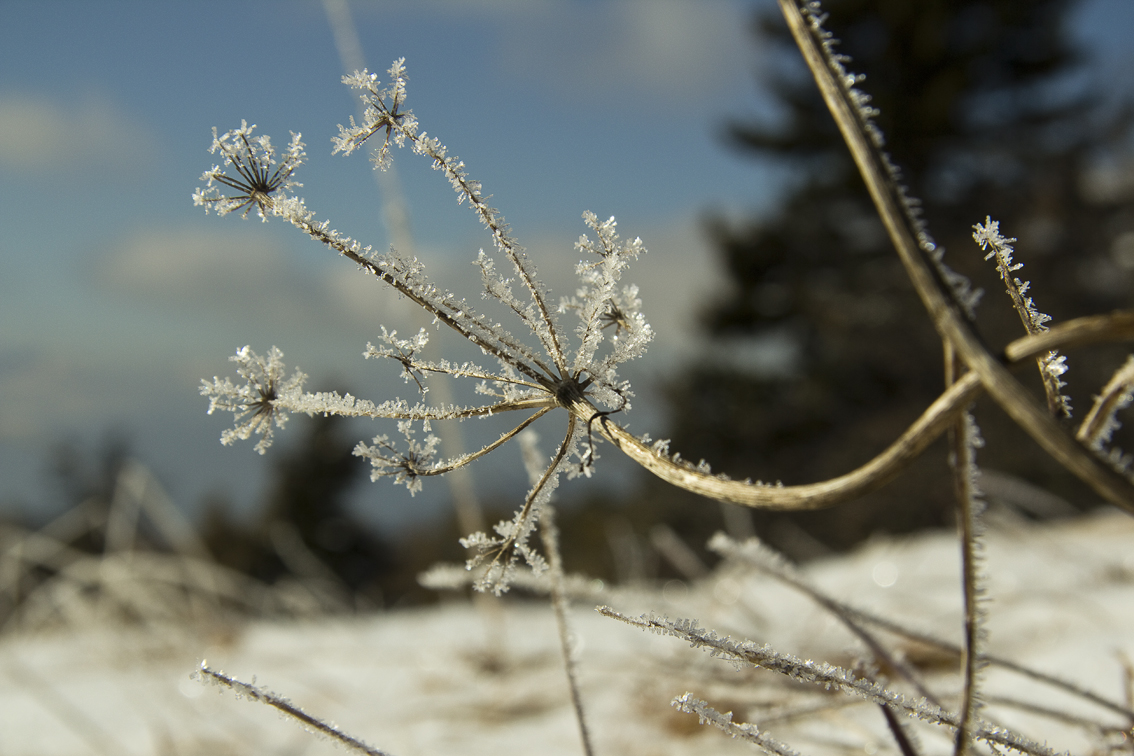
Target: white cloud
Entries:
(245, 274)
(38, 133)
(682, 50)
(192, 265)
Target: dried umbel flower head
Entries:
(255, 174)
(533, 378)
(260, 403)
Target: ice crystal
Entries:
(259, 403)
(1051, 365)
(257, 175)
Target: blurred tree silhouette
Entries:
(304, 528)
(985, 107)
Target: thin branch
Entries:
(825, 675)
(559, 603)
(282, 704)
(708, 715)
(453, 464)
(445, 367)
(330, 402)
(901, 737)
(1080, 332)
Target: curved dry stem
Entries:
(1090, 329)
(1100, 422)
(947, 316)
(878, 471)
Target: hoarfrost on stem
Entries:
(1052, 365)
(533, 380)
(263, 395)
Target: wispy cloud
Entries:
(39, 133)
(244, 274)
(685, 50)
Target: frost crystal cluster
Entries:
(1051, 365)
(518, 377)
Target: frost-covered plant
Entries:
(539, 371)
(257, 398)
(258, 176)
(524, 378)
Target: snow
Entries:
(486, 677)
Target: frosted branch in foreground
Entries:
(254, 693)
(826, 675)
(750, 732)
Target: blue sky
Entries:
(117, 295)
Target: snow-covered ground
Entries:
(487, 678)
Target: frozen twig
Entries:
(1051, 365)
(817, 673)
(255, 693)
(750, 732)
